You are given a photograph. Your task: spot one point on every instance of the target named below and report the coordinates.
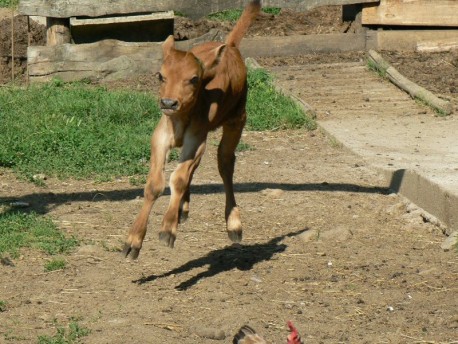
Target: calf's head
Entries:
(181, 76)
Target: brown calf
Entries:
(201, 90)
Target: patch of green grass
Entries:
(55, 264)
(31, 230)
(2, 306)
(376, 68)
(272, 10)
(76, 130)
(270, 110)
(72, 335)
(243, 147)
(82, 131)
(9, 3)
(228, 15)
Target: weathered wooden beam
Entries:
(407, 40)
(108, 58)
(191, 8)
(414, 90)
(438, 45)
(412, 13)
(300, 44)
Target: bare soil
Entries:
(326, 245)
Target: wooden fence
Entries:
(117, 59)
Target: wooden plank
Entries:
(407, 40)
(411, 13)
(438, 45)
(104, 59)
(191, 8)
(300, 44)
(107, 59)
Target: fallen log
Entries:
(415, 91)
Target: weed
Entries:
(243, 147)
(55, 264)
(376, 68)
(66, 336)
(2, 306)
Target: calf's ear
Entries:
(217, 55)
(214, 59)
(167, 46)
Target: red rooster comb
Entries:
(294, 337)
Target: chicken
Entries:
(247, 335)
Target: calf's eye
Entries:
(160, 76)
(194, 80)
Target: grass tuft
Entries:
(31, 230)
(66, 336)
(270, 110)
(3, 306)
(55, 264)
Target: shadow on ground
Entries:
(241, 257)
(44, 202)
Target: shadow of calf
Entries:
(241, 257)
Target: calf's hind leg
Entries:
(232, 132)
(193, 148)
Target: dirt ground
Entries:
(326, 245)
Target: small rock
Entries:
(272, 193)
(88, 250)
(310, 235)
(39, 176)
(20, 204)
(256, 279)
(6, 262)
(390, 308)
(450, 242)
(336, 234)
(210, 333)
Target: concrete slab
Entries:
(414, 149)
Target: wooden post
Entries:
(12, 44)
(58, 31)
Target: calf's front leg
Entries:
(161, 142)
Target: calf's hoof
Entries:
(235, 235)
(130, 251)
(167, 238)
